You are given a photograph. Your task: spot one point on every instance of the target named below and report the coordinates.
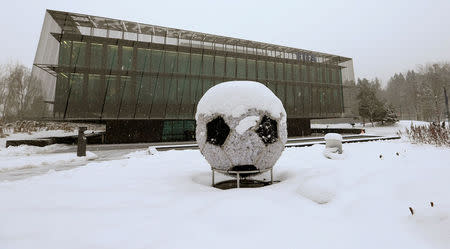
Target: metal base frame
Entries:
(239, 173)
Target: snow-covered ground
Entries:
(378, 129)
(165, 200)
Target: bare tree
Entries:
(21, 93)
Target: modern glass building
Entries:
(144, 81)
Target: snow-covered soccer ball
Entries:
(241, 125)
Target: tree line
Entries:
(21, 95)
(414, 95)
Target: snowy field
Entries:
(165, 201)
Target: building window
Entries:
(96, 55)
(78, 54)
(127, 58)
(112, 57)
(64, 53)
(241, 68)
(143, 60)
(219, 66)
(270, 70)
(251, 69)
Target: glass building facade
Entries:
(105, 69)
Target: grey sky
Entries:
(382, 37)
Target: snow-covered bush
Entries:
(29, 126)
(241, 125)
(429, 134)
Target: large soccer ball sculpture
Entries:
(241, 125)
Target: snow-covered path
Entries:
(165, 201)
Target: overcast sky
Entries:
(382, 36)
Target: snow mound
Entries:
(37, 160)
(26, 150)
(332, 153)
(320, 189)
(333, 136)
(235, 98)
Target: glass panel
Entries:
(322, 98)
(241, 68)
(189, 129)
(328, 75)
(333, 76)
(280, 74)
(272, 86)
(315, 101)
(75, 104)
(207, 83)
(159, 98)
(307, 101)
(196, 64)
(231, 67)
(261, 70)
(339, 101)
(156, 61)
(61, 93)
(128, 98)
(196, 93)
(143, 59)
(183, 63)
(219, 66)
(251, 69)
(312, 73)
(281, 92)
(288, 69)
(290, 100)
(167, 130)
(172, 104)
(319, 74)
(170, 62)
(127, 58)
(185, 108)
(270, 71)
(335, 101)
(78, 54)
(96, 55)
(112, 57)
(112, 100)
(329, 100)
(96, 89)
(304, 74)
(297, 73)
(64, 53)
(144, 98)
(208, 63)
(298, 110)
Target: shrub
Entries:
(429, 134)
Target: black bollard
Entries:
(81, 150)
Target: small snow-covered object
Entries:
(152, 150)
(241, 125)
(333, 142)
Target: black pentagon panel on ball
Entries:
(268, 130)
(217, 131)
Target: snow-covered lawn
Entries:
(165, 201)
(378, 129)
